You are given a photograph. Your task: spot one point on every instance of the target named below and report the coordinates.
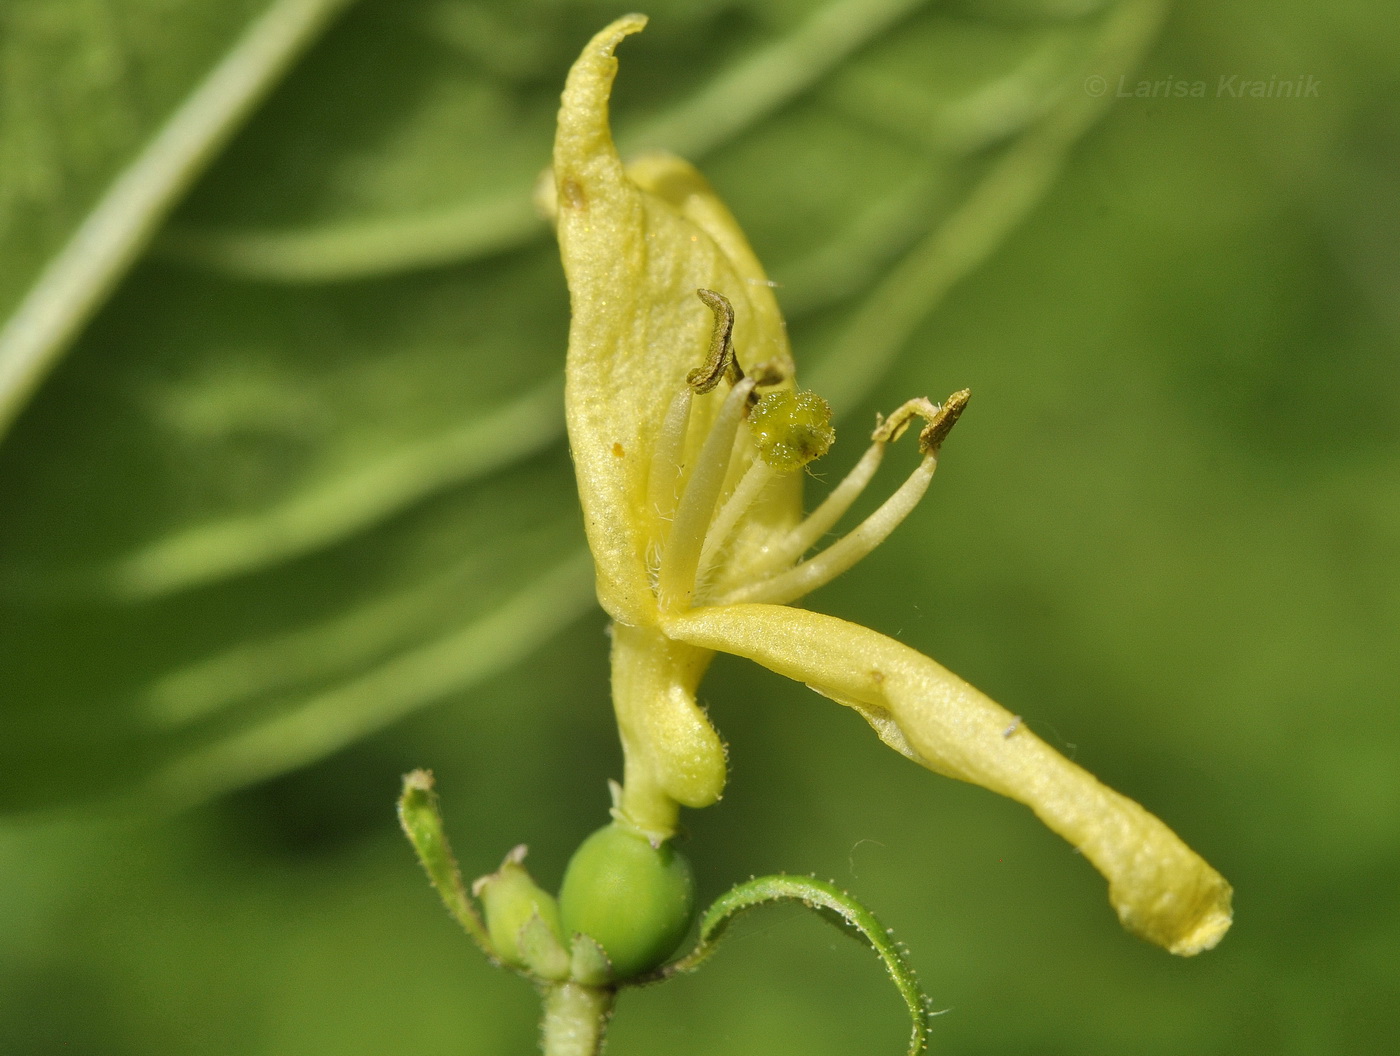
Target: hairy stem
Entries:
(575, 1019)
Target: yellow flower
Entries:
(686, 432)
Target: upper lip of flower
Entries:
(697, 540)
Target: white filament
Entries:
(745, 494)
(679, 561)
(806, 533)
(839, 556)
(662, 484)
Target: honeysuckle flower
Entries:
(687, 433)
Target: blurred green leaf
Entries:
(302, 475)
(109, 113)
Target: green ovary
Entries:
(633, 899)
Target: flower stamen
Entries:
(663, 483)
(816, 524)
(745, 494)
(681, 558)
(940, 418)
(720, 361)
(841, 555)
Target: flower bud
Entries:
(523, 919)
(635, 900)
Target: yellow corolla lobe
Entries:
(636, 243)
(1161, 889)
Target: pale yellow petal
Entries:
(679, 184)
(634, 258)
(1162, 890)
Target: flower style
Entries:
(687, 431)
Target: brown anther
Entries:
(768, 373)
(940, 419)
(937, 430)
(721, 361)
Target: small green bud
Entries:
(523, 919)
(791, 428)
(634, 899)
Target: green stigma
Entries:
(791, 428)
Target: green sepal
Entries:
(541, 951)
(589, 964)
(422, 824)
(512, 902)
(829, 902)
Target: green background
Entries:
(1165, 532)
